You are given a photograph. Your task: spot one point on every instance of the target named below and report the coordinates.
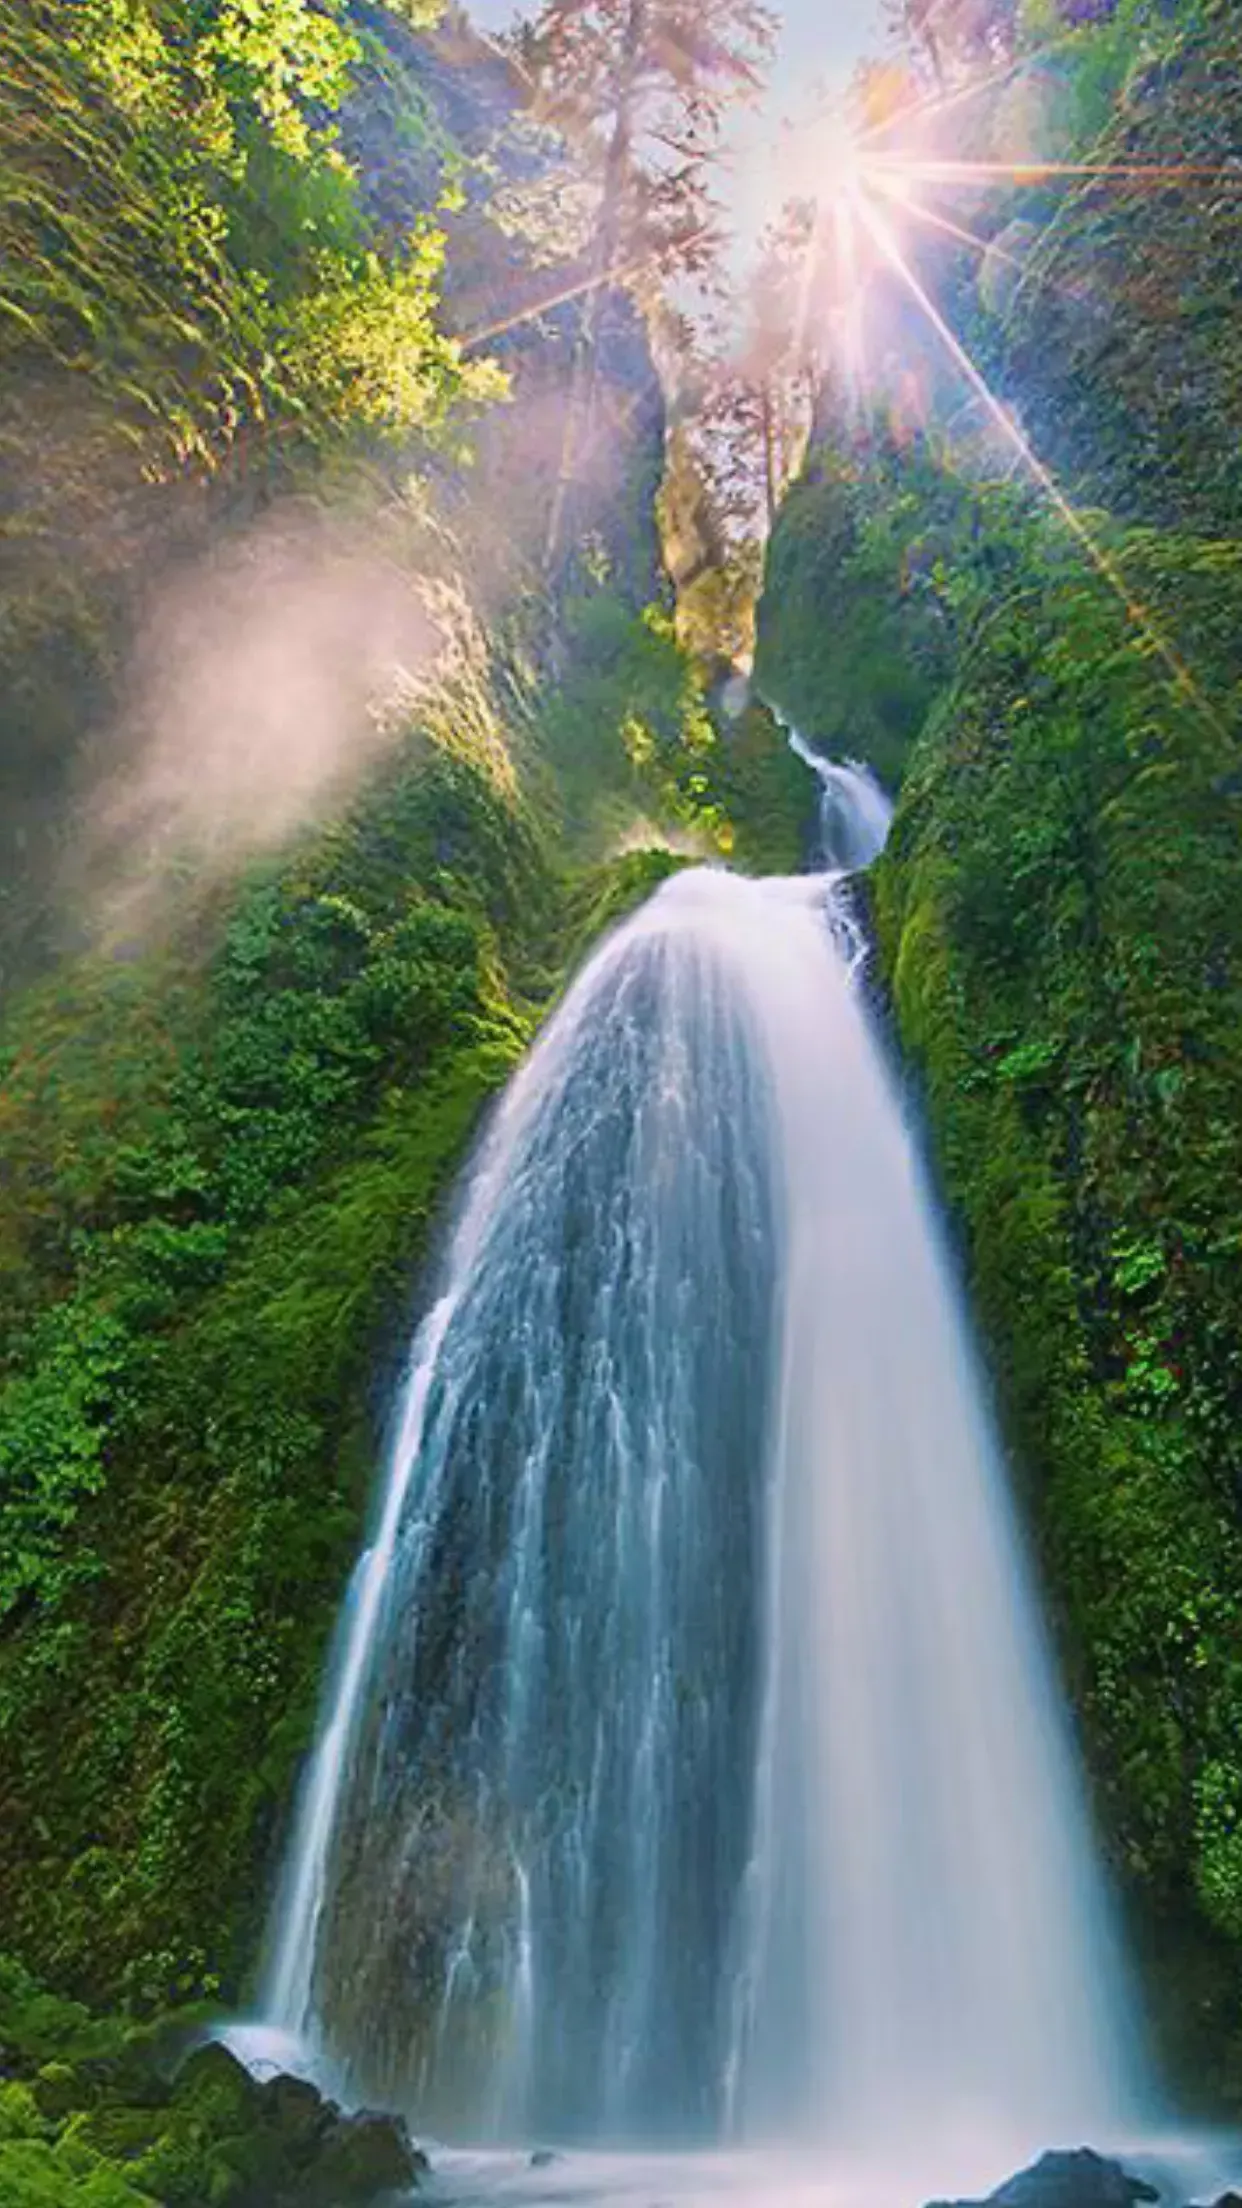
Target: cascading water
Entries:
(693, 1762)
(854, 813)
(564, 1653)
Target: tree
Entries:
(955, 34)
(639, 89)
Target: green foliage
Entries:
(311, 1006)
(219, 1173)
(143, 2124)
(1118, 342)
(634, 743)
(1097, 60)
(1060, 924)
(34, 2174)
(179, 225)
(45, 2028)
(626, 732)
(858, 625)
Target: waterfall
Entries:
(692, 1761)
(854, 812)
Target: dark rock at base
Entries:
(360, 2161)
(1066, 2178)
(297, 2111)
(543, 2158)
(280, 2143)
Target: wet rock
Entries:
(217, 2089)
(276, 2144)
(296, 2110)
(360, 2161)
(543, 2158)
(1067, 2178)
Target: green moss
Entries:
(854, 635)
(201, 1295)
(1119, 342)
(1060, 924)
(764, 792)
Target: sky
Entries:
(821, 41)
(819, 36)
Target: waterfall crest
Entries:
(693, 1760)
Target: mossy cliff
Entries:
(1118, 340)
(1060, 928)
(1059, 913)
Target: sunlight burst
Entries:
(864, 201)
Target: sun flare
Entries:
(875, 177)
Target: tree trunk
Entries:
(584, 378)
(772, 470)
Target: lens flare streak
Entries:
(918, 169)
(1103, 561)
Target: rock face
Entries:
(288, 2146)
(1077, 2178)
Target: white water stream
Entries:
(692, 1764)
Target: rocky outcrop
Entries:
(1074, 2178)
(116, 2131)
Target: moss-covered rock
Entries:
(765, 793)
(1119, 340)
(230, 2141)
(1061, 928)
(854, 638)
(114, 2134)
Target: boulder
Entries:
(360, 2161)
(217, 2090)
(1067, 2178)
(297, 2112)
(276, 2144)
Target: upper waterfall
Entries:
(854, 810)
(693, 1760)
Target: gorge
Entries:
(620, 1462)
